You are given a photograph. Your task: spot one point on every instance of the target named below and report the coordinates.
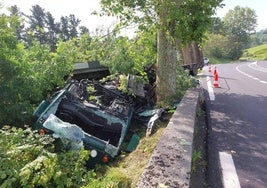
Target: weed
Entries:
(196, 157)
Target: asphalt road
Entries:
(237, 125)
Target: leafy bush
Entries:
(27, 74)
(28, 159)
(216, 46)
(184, 81)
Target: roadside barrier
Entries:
(170, 162)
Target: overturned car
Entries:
(94, 115)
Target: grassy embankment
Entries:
(214, 60)
(255, 53)
(251, 54)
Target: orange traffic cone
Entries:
(216, 79)
(215, 71)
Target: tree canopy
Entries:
(177, 22)
(41, 26)
(240, 20)
(27, 74)
(233, 33)
(187, 20)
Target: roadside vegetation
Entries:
(215, 60)
(222, 43)
(251, 54)
(255, 53)
(28, 159)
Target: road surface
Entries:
(237, 141)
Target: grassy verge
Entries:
(214, 60)
(255, 53)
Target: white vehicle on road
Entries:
(206, 61)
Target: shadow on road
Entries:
(237, 125)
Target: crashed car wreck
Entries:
(97, 120)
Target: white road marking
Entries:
(210, 89)
(255, 78)
(256, 67)
(230, 179)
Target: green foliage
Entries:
(231, 35)
(121, 54)
(28, 159)
(219, 46)
(217, 26)
(27, 75)
(214, 60)
(12, 72)
(177, 23)
(123, 83)
(184, 81)
(240, 21)
(112, 177)
(144, 49)
(193, 19)
(19, 147)
(259, 38)
(41, 26)
(255, 53)
(188, 24)
(119, 58)
(196, 157)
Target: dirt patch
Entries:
(199, 155)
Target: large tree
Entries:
(42, 26)
(28, 74)
(240, 20)
(178, 22)
(230, 35)
(239, 24)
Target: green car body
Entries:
(104, 126)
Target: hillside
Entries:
(255, 53)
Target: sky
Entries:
(82, 10)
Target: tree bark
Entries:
(166, 62)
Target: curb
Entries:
(170, 163)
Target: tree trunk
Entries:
(166, 64)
